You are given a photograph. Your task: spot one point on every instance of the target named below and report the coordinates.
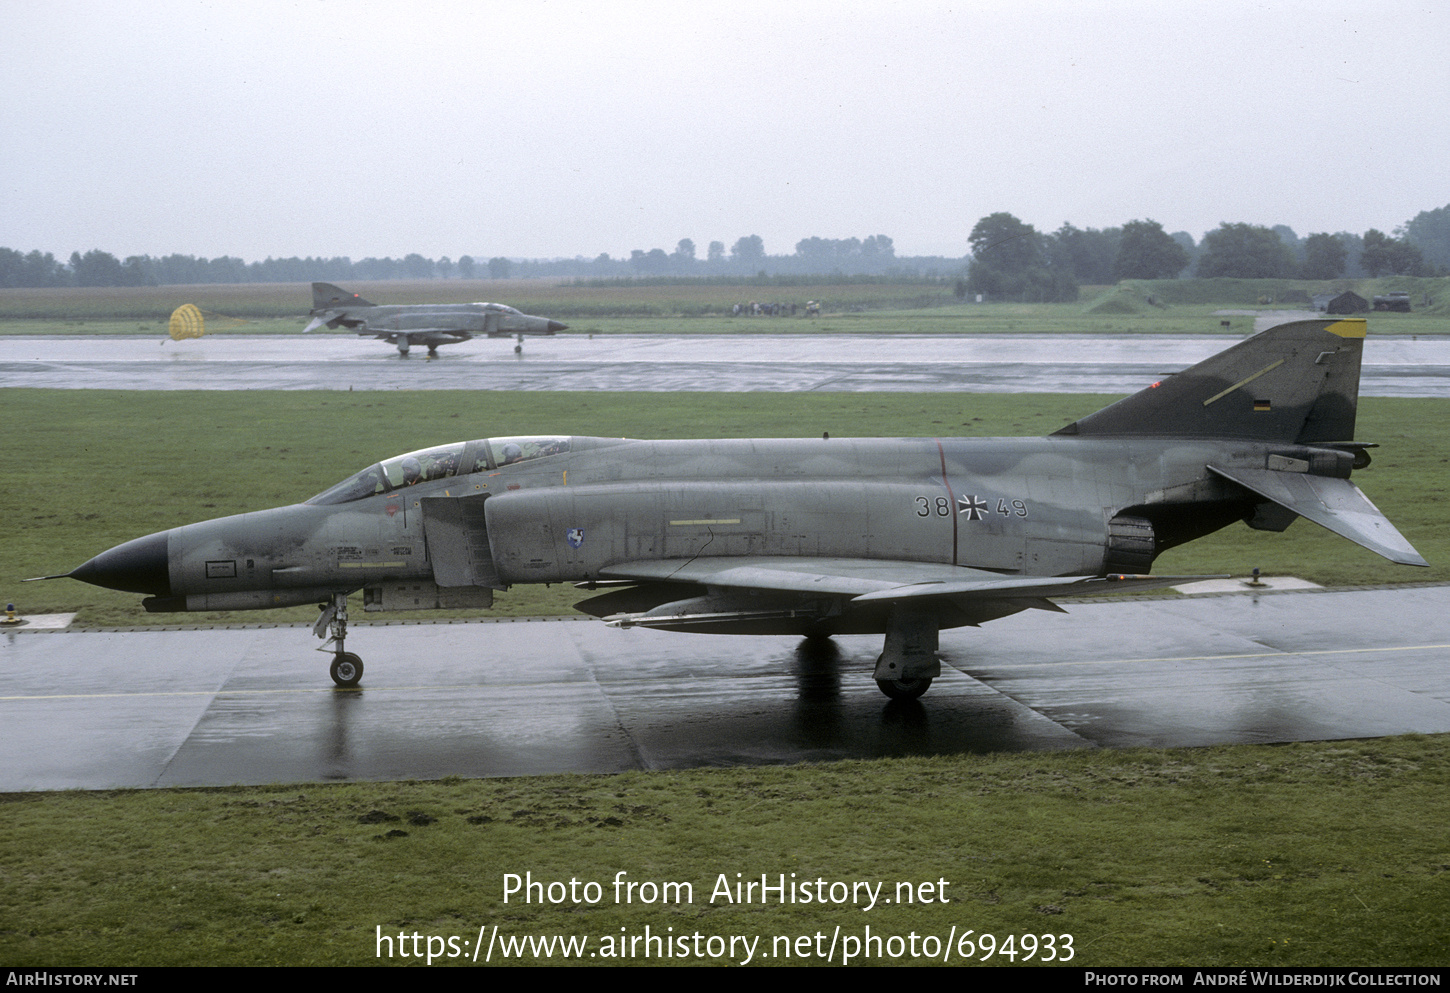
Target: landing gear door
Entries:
(457, 540)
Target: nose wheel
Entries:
(347, 668)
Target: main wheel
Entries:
(347, 669)
(904, 689)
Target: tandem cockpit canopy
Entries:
(427, 464)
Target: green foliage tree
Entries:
(716, 252)
(12, 268)
(750, 249)
(1087, 254)
(499, 267)
(1429, 231)
(827, 250)
(1244, 251)
(878, 246)
(33, 269)
(1353, 247)
(1324, 257)
(1146, 251)
(1010, 244)
(1010, 261)
(653, 262)
(465, 267)
(416, 266)
(139, 270)
(96, 268)
(1288, 237)
(1383, 255)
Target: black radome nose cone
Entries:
(555, 326)
(138, 566)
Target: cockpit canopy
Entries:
(458, 459)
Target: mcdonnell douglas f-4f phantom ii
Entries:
(430, 324)
(901, 537)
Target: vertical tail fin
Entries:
(325, 296)
(1297, 382)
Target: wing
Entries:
(753, 589)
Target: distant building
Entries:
(1348, 302)
(1392, 301)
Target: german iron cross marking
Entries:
(973, 507)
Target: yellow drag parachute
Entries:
(187, 322)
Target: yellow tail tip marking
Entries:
(1351, 327)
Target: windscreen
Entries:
(427, 464)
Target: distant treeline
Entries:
(846, 257)
(1011, 260)
(1008, 260)
(1014, 261)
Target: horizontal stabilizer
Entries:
(1336, 504)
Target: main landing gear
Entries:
(909, 662)
(347, 668)
(899, 689)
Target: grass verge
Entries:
(1296, 855)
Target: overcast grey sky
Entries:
(544, 128)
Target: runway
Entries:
(1393, 365)
(253, 704)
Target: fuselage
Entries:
(492, 513)
(463, 318)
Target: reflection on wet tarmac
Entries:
(95, 710)
(1393, 366)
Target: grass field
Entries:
(703, 306)
(1313, 854)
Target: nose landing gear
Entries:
(347, 668)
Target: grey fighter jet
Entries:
(430, 324)
(901, 537)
